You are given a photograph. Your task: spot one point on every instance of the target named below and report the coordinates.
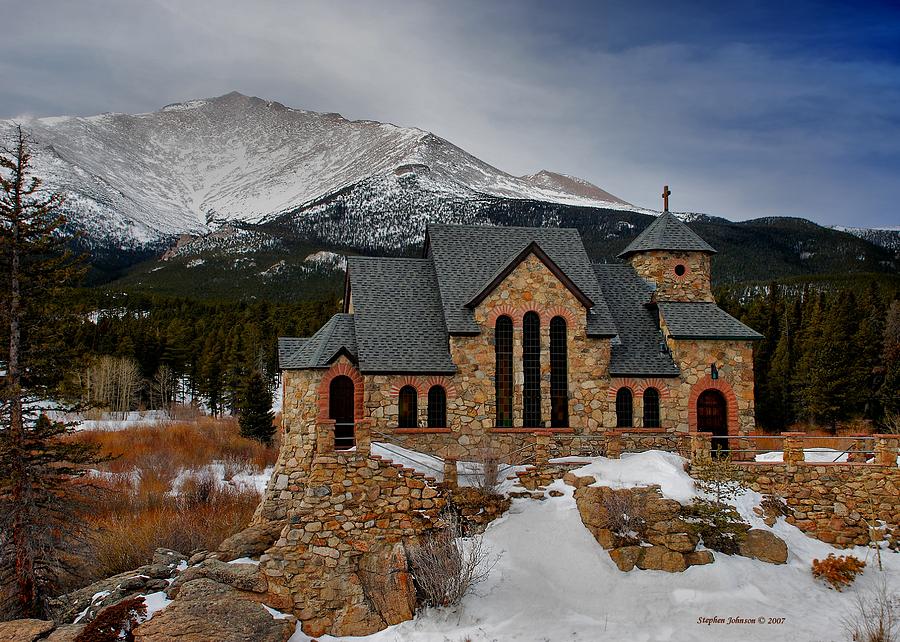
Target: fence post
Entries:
(885, 451)
(325, 436)
(793, 447)
(541, 448)
(362, 433)
(451, 477)
(614, 444)
(856, 453)
(701, 446)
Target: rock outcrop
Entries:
(764, 546)
(25, 630)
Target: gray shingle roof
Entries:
(635, 351)
(318, 351)
(467, 257)
(399, 319)
(667, 233)
(700, 320)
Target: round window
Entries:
(680, 269)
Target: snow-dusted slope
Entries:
(235, 158)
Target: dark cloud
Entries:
(746, 112)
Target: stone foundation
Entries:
(340, 563)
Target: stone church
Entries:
(497, 333)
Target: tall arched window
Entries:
(437, 407)
(408, 406)
(341, 409)
(623, 408)
(559, 376)
(503, 375)
(531, 366)
(651, 408)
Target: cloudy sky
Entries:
(746, 111)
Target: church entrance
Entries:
(712, 416)
(340, 409)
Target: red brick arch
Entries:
(708, 383)
(324, 391)
(558, 311)
(659, 384)
(504, 310)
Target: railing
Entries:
(880, 450)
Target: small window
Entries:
(437, 407)
(408, 407)
(623, 408)
(680, 269)
(651, 408)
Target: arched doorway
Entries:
(340, 408)
(712, 416)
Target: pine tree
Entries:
(37, 467)
(255, 408)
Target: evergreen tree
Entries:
(255, 408)
(37, 466)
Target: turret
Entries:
(671, 256)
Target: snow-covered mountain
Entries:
(192, 166)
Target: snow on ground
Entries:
(246, 478)
(554, 582)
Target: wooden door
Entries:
(712, 416)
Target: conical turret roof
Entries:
(667, 233)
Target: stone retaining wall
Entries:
(340, 564)
(832, 502)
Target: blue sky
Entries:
(745, 109)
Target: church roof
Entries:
(337, 336)
(466, 257)
(399, 318)
(667, 233)
(636, 349)
(702, 320)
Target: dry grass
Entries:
(158, 491)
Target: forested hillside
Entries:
(831, 352)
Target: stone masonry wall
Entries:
(832, 502)
(340, 565)
(298, 439)
(734, 362)
(658, 266)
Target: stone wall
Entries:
(340, 564)
(832, 502)
(659, 266)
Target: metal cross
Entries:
(666, 193)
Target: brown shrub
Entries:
(116, 622)
(625, 515)
(838, 572)
(875, 616)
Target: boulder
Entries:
(252, 541)
(65, 633)
(626, 557)
(679, 542)
(24, 630)
(572, 479)
(698, 558)
(243, 577)
(168, 557)
(207, 611)
(388, 584)
(660, 558)
(605, 537)
(764, 546)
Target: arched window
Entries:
(408, 407)
(623, 408)
(651, 408)
(531, 366)
(340, 408)
(559, 376)
(503, 377)
(437, 407)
